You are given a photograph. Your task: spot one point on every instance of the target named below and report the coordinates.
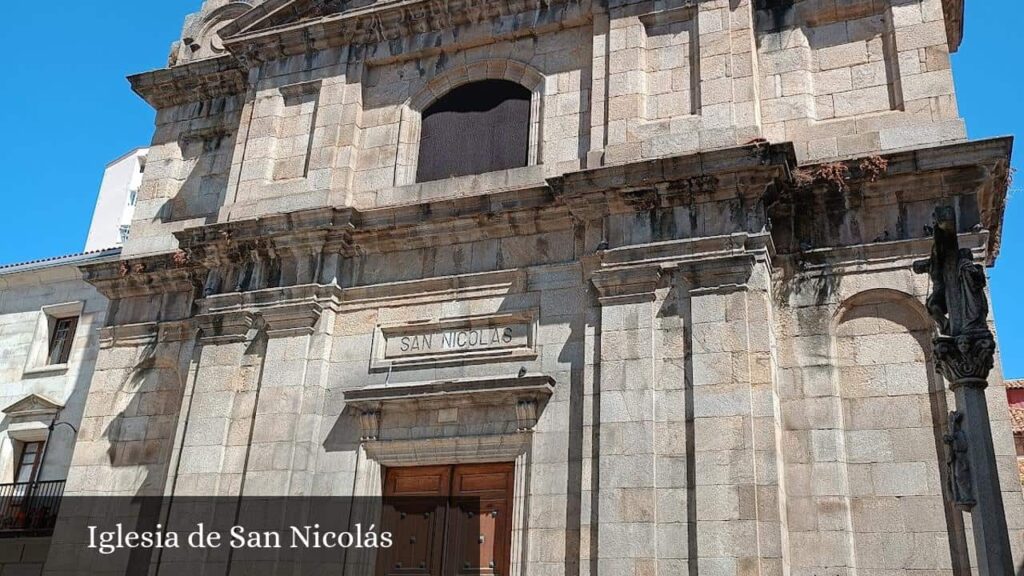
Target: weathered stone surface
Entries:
(732, 342)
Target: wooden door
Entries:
(457, 521)
(415, 512)
(480, 521)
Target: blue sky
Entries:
(67, 110)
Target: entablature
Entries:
(726, 210)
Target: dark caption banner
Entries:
(274, 535)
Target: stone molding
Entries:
(192, 82)
(225, 327)
(33, 405)
(746, 171)
(443, 289)
(295, 319)
(525, 396)
(144, 333)
(704, 264)
(280, 28)
(30, 418)
(627, 284)
(138, 277)
(486, 390)
(270, 255)
(803, 214)
(456, 450)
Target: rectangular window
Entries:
(124, 231)
(28, 462)
(133, 197)
(61, 339)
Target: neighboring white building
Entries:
(49, 340)
(115, 206)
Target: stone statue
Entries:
(936, 302)
(958, 466)
(972, 293)
(964, 347)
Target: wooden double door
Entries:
(448, 520)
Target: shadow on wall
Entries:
(894, 416)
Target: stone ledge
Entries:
(522, 398)
(286, 27)
(533, 386)
(192, 82)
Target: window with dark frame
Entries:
(28, 462)
(61, 340)
(475, 128)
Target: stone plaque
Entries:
(455, 340)
(477, 338)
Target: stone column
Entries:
(732, 474)
(288, 405)
(627, 503)
(965, 354)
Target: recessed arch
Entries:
(481, 70)
(922, 320)
(892, 409)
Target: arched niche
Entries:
(894, 409)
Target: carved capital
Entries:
(225, 327)
(628, 284)
(292, 319)
(526, 413)
(369, 424)
(966, 360)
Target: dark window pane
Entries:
(60, 342)
(28, 462)
(475, 128)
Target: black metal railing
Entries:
(29, 508)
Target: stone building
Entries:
(49, 328)
(639, 270)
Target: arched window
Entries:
(478, 127)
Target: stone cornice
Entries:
(634, 273)
(144, 333)
(441, 289)
(472, 389)
(311, 247)
(293, 319)
(744, 170)
(954, 12)
(225, 327)
(192, 82)
(33, 405)
(280, 28)
(232, 241)
(146, 276)
(924, 175)
(443, 222)
(627, 284)
(881, 256)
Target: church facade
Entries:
(639, 272)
